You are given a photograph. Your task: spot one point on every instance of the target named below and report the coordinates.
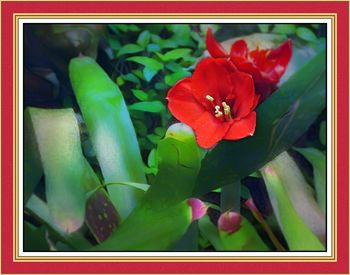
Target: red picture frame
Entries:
(11, 264)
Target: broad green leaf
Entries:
(163, 216)
(306, 34)
(129, 49)
(281, 120)
(144, 39)
(149, 73)
(178, 158)
(131, 77)
(210, 232)
(300, 194)
(148, 106)
(171, 79)
(32, 168)
(287, 29)
(245, 239)
(56, 135)
(153, 48)
(148, 229)
(111, 131)
(189, 241)
(297, 234)
(318, 161)
(174, 54)
(39, 209)
(139, 94)
(148, 62)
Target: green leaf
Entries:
(153, 48)
(297, 234)
(178, 158)
(160, 229)
(264, 27)
(306, 34)
(210, 232)
(149, 73)
(171, 79)
(318, 161)
(281, 120)
(148, 62)
(163, 216)
(287, 29)
(128, 49)
(148, 106)
(174, 54)
(141, 95)
(62, 162)
(34, 239)
(111, 131)
(323, 133)
(131, 78)
(245, 239)
(144, 39)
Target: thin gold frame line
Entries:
(176, 1)
(177, 15)
(16, 17)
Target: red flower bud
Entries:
(229, 222)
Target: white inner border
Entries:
(182, 254)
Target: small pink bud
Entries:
(250, 204)
(199, 209)
(229, 222)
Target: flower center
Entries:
(226, 114)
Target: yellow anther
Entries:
(210, 98)
(227, 110)
(218, 114)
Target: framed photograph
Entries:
(175, 137)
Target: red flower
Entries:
(217, 102)
(265, 65)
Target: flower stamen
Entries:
(210, 98)
(227, 110)
(218, 113)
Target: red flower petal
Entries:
(239, 49)
(214, 47)
(242, 128)
(211, 78)
(209, 130)
(182, 104)
(244, 93)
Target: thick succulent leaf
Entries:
(210, 232)
(40, 210)
(318, 161)
(149, 229)
(281, 120)
(293, 206)
(300, 194)
(57, 137)
(111, 131)
(164, 214)
(245, 239)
